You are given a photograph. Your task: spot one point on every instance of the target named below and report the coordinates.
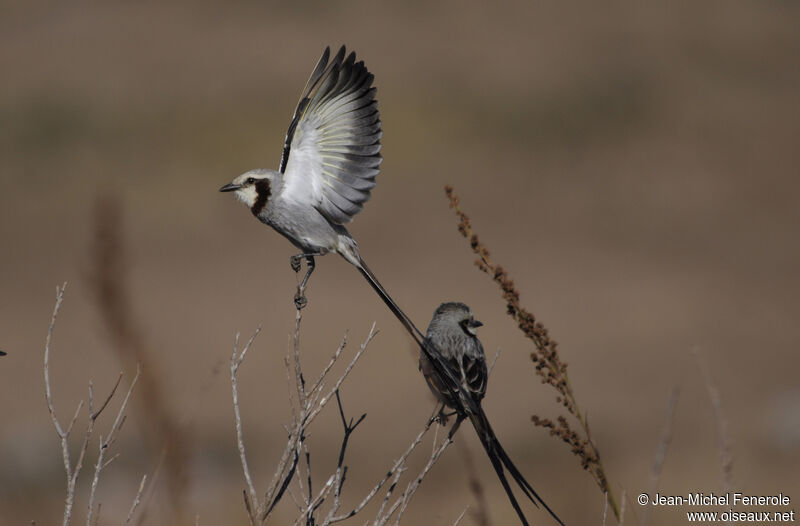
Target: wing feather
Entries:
(332, 152)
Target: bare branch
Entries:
(310, 401)
(72, 474)
(72, 471)
(494, 361)
(282, 477)
(292, 405)
(325, 399)
(110, 437)
(47, 393)
(299, 380)
(341, 470)
(236, 361)
(661, 450)
(248, 507)
(396, 471)
(138, 499)
(74, 418)
(412, 488)
(96, 414)
(461, 516)
(320, 381)
(723, 439)
(315, 503)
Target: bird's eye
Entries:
(251, 180)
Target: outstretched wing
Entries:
(332, 151)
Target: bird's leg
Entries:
(443, 417)
(439, 416)
(300, 300)
(295, 261)
(436, 416)
(460, 418)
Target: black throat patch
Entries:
(262, 192)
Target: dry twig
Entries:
(661, 450)
(307, 401)
(723, 439)
(546, 358)
(73, 469)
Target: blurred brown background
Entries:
(633, 166)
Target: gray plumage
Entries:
(454, 365)
(334, 139)
(331, 157)
(452, 334)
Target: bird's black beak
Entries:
(230, 187)
(475, 323)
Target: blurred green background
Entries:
(633, 165)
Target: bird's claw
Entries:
(295, 261)
(300, 300)
(441, 418)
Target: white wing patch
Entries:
(332, 151)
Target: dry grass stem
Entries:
(236, 361)
(545, 356)
(661, 449)
(306, 404)
(458, 520)
(137, 500)
(494, 361)
(307, 401)
(723, 438)
(73, 469)
(404, 499)
(110, 437)
(394, 473)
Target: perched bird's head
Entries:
(253, 188)
(455, 315)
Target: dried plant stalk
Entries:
(546, 358)
(307, 401)
(71, 468)
(723, 438)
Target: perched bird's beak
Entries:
(475, 323)
(230, 187)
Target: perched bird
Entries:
(451, 342)
(330, 160)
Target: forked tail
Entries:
(500, 459)
(470, 406)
